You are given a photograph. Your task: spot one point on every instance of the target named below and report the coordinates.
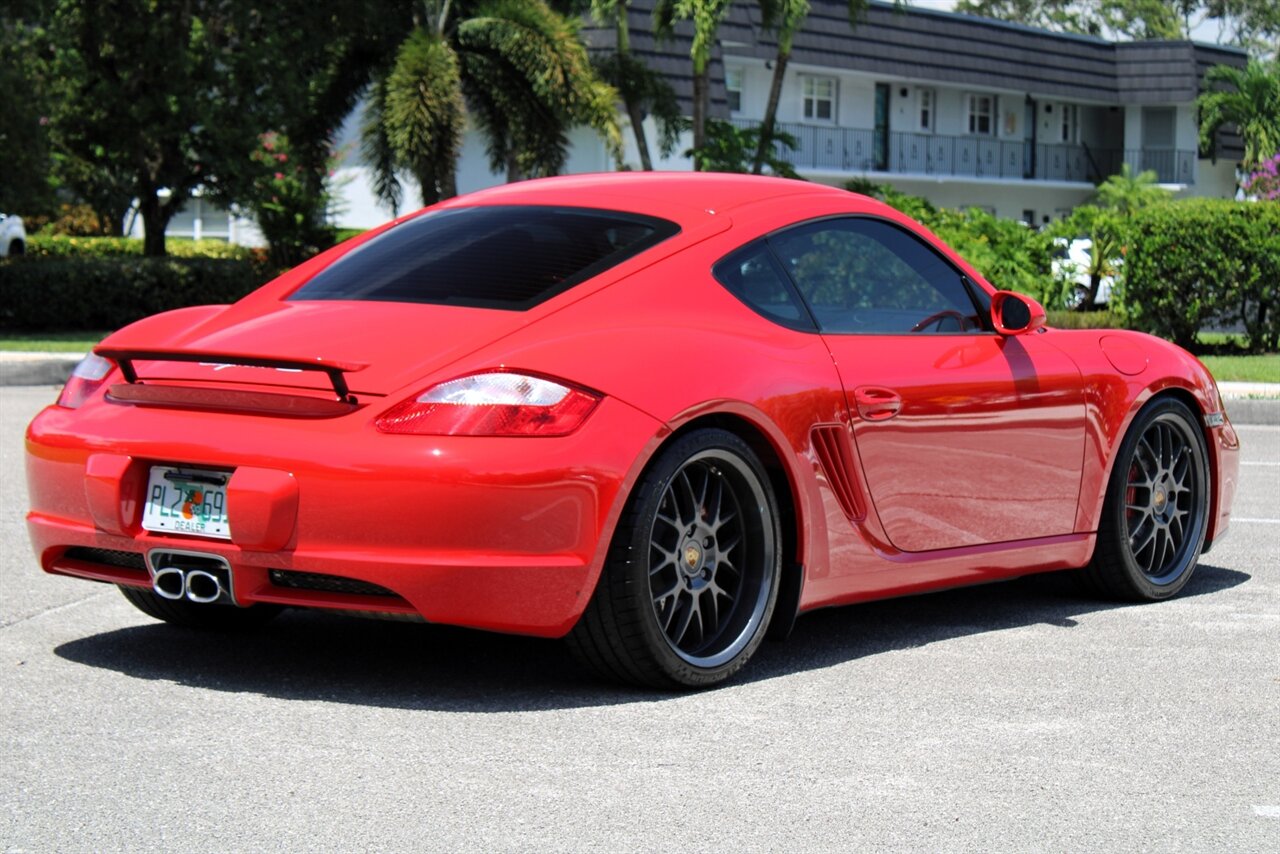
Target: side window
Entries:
(869, 276)
(752, 275)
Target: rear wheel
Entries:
(692, 574)
(1157, 507)
(194, 615)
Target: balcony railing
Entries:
(857, 151)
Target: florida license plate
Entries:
(187, 501)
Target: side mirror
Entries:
(1015, 314)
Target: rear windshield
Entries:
(490, 257)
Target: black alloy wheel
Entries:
(1157, 506)
(692, 575)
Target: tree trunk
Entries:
(514, 173)
(771, 109)
(449, 182)
(701, 90)
(636, 115)
(430, 188)
(154, 221)
(1095, 281)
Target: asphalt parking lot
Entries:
(1017, 716)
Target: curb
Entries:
(33, 369)
(1252, 410)
(17, 369)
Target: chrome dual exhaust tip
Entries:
(170, 583)
(204, 579)
(196, 585)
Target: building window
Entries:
(820, 99)
(733, 89)
(925, 101)
(1070, 123)
(1158, 127)
(981, 113)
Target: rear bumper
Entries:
(500, 534)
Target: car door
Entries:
(965, 436)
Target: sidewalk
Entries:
(1247, 403)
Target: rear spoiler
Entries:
(335, 370)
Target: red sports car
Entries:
(659, 414)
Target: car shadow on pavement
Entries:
(310, 655)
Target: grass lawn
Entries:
(1253, 369)
(50, 342)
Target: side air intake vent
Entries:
(835, 454)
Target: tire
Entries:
(192, 615)
(1156, 511)
(691, 578)
(17, 248)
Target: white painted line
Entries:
(1260, 521)
(1267, 810)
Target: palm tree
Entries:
(515, 68)
(1253, 107)
(1125, 192)
(642, 89)
(706, 15)
(788, 16)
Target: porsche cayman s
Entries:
(658, 414)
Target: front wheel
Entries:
(692, 573)
(1157, 506)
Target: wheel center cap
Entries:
(1160, 499)
(692, 557)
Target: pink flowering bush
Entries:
(1265, 183)
(290, 201)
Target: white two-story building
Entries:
(964, 111)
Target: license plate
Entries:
(187, 501)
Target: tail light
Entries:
(86, 379)
(492, 404)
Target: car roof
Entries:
(670, 195)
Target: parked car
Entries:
(13, 237)
(1071, 261)
(659, 414)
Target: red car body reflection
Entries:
(899, 461)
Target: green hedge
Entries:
(1067, 319)
(107, 293)
(1197, 262)
(1007, 253)
(64, 246)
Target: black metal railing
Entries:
(859, 150)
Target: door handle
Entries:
(876, 404)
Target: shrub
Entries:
(1265, 183)
(1198, 262)
(107, 293)
(342, 235)
(1007, 253)
(289, 200)
(1066, 319)
(729, 148)
(64, 246)
(78, 220)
